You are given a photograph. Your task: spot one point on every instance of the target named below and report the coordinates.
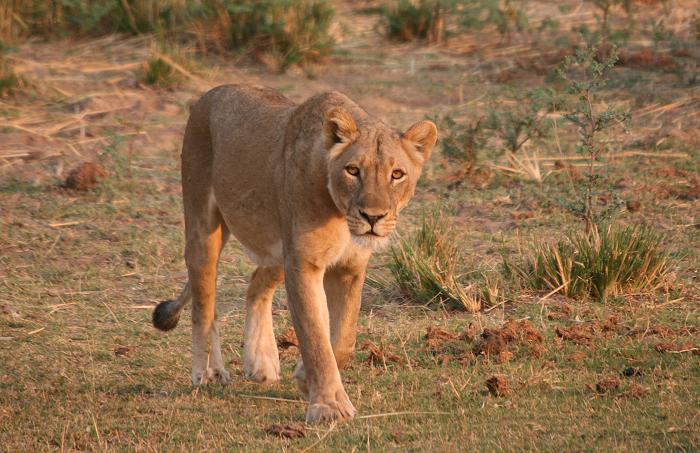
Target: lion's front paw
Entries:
(327, 411)
(210, 376)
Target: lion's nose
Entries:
(372, 219)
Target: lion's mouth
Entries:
(362, 230)
(369, 234)
(370, 240)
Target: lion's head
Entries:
(373, 171)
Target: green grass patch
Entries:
(425, 266)
(615, 260)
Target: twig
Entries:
(55, 308)
(110, 310)
(392, 414)
(271, 398)
(62, 224)
(403, 347)
(330, 430)
(654, 307)
(176, 66)
(553, 292)
(681, 351)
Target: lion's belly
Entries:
(247, 150)
(252, 219)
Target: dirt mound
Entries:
(647, 59)
(287, 431)
(122, 351)
(586, 332)
(633, 205)
(690, 191)
(436, 333)
(680, 348)
(288, 339)
(435, 337)
(288, 344)
(510, 339)
(635, 391)
(498, 386)
(378, 355)
(662, 331)
(607, 384)
(85, 176)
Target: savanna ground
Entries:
(80, 272)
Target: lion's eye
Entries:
(397, 174)
(352, 170)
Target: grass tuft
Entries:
(160, 73)
(9, 81)
(407, 20)
(292, 32)
(614, 261)
(424, 266)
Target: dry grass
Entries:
(81, 271)
(425, 266)
(611, 262)
(291, 32)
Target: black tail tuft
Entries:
(166, 315)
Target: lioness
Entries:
(309, 191)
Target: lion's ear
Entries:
(422, 137)
(339, 127)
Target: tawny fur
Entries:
(309, 191)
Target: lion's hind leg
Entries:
(260, 356)
(205, 239)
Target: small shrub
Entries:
(462, 142)
(603, 35)
(617, 261)
(424, 266)
(407, 20)
(505, 15)
(293, 31)
(524, 122)
(586, 76)
(9, 81)
(160, 73)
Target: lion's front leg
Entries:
(343, 288)
(307, 305)
(343, 285)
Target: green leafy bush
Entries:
(293, 31)
(526, 120)
(407, 20)
(462, 142)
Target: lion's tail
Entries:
(167, 313)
